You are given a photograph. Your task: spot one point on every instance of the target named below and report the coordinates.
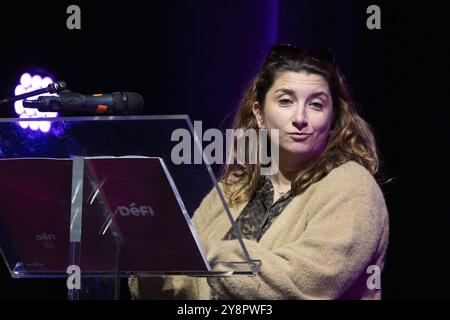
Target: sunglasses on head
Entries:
(287, 51)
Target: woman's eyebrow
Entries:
(311, 95)
(285, 90)
(319, 93)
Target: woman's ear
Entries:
(256, 109)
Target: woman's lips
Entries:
(299, 136)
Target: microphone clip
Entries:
(55, 87)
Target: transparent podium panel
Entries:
(107, 197)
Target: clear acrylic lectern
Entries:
(96, 199)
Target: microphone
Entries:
(73, 102)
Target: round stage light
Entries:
(30, 82)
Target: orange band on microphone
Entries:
(101, 108)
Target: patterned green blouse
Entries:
(260, 212)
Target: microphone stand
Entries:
(55, 87)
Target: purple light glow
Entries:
(30, 82)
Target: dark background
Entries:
(196, 57)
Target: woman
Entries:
(320, 223)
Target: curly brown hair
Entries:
(350, 136)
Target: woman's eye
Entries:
(285, 102)
(317, 105)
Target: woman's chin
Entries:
(297, 150)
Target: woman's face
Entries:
(301, 107)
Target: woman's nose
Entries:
(299, 118)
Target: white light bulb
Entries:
(46, 81)
(36, 82)
(19, 90)
(34, 125)
(25, 80)
(23, 124)
(44, 126)
(18, 107)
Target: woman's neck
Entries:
(288, 168)
(283, 179)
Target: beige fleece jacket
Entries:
(320, 247)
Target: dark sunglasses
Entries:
(287, 51)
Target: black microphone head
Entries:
(135, 102)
